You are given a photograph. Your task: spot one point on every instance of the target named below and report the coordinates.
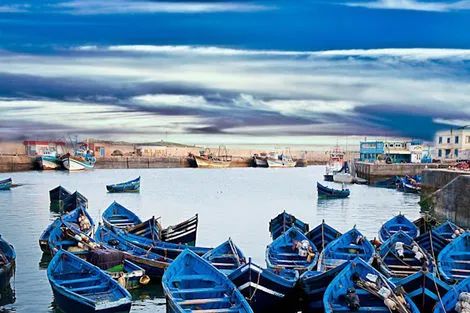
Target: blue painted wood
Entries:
(322, 235)
(432, 243)
(395, 224)
(7, 263)
(129, 186)
(347, 247)
(191, 283)
(450, 299)
(282, 253)
(390, 183)
(226, 257)
(284, 221)
(447, 230)
(5, 184)
(354, 275)
(266, 290)
(454, 260)
(70, 219)
(59, 193)
(153, 263)
(326, 192)
(394, 266)
(425, 289)
(81, 287)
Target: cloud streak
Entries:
(413, 5)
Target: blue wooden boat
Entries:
(347, 247)
(59, 193)
(284, 221)
(453, 297)
(397, 223)
(153, 263)
(410, 184)
(448, 230)
(326, 192)
(266, 290)
(322, 235)
(401, 256)
(129, 186)
(183, 233)
(226, 257)
(454, 260)
(390, 183)
(191, 284)
(425, 223)
(81, 287)
(313, 285)
(78, 218)
(431, 243)
(292, 250)
(5, 184)
(361, 288)
(7, 263)
(424, 289)
(75, 200)
(112, 261)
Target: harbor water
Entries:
(235, 202)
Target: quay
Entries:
(377, 171)
(446, 194)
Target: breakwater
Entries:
(16, 163)
(446, 194)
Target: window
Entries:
(456, 153)
(456, 139)
(467, 139)
(439, 153)
(448, 153)
(448, 139)
(440, 139)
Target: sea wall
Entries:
(16, 163)
(376, 171)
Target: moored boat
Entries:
(48, 161)
(454, 260)
(361, 288)
(81, 160)
(78, 218)
(5, 184)
(81, 287)
(401, 256)
(456, 300)
(425, 289)
(226, 257)
(431, 243)
(266, 290)
(7, 263)
(74, 201)
(292, 250)
(322, 235)
(284, 221)
(275, 160)
(112, 261)
(348, 246)
(327, 192)
(153, 263)
(191, 284)
(410, 184)
(260, 160)
(335, 163)
(212, 162)
(59, 193)
(395, 224)
(390, 183)
(448, 230)
(129, 186)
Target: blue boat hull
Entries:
(70, 306)
(5, 184)
(130, 186)
(7, 270)
(6, 273)
(284, 221)
(327, 192)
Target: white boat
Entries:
(74, 165)
(277, 161)
(343, 178)
(335, 164)
(203, 162)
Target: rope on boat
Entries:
(437, 271)
(256, 288)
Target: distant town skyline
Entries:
(244, 72)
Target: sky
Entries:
(225, 72)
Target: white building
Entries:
(453, 144)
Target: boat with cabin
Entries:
(48, 160)
(192, 284)
(282, 160)
(207, 159)
(81, 287)
(260, 160)
(334, 164)
(79, 161)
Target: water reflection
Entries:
(7, 297)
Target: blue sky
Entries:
(233, 72)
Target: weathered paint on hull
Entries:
(280, 164)
(203, 163)
(48, 165)
(74, 165)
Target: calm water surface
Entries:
(236, 203)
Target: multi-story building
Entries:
(395, 151)
(453, 144)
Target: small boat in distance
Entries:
(48, 160)
(5, 184)
(191, 284)
(207, 159)
(410, 184)
(260, 160)
(81, 160)
(395, 224)
(335, 163)
(326, 192)
(129, 186)
(390, 183)
(280, 160)
(7, 263)
(79, 286)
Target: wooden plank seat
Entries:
(198, 290)
(78, 280)
(88, 288)
(204, 301)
